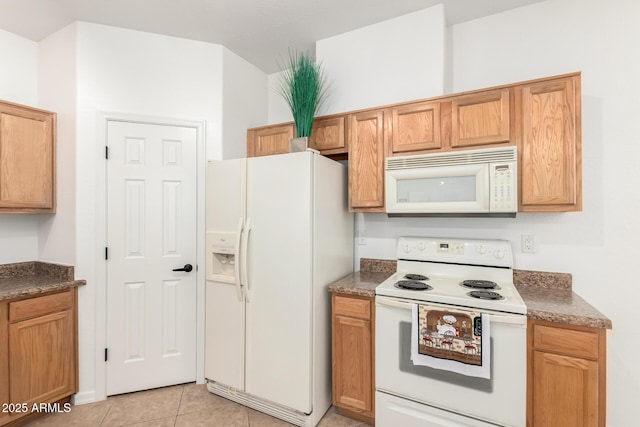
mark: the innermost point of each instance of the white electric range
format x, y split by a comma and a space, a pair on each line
452, 274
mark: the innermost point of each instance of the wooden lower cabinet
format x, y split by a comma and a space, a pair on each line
353, 332
38, 353
566, 384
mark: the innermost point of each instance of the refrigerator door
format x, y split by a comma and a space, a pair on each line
225, 306
279, 257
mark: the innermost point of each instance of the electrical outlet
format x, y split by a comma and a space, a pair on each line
528, 243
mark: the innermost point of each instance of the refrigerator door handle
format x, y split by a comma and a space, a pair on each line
237, 258
245, 259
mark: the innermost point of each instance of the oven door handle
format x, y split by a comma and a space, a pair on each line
509, 319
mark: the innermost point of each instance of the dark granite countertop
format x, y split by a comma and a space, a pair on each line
548, 296
364, 282
32, 278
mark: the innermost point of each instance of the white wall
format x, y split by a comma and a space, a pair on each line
596, 245
143, 74
244, 103
362, 66
19, 70
57, 92
396, 60
18, 83
279, 111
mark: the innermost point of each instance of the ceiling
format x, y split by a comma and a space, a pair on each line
261, 31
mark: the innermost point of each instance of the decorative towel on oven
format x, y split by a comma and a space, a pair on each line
457, 341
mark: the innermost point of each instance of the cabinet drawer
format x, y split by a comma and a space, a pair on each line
567, 341
40, 306
352, 307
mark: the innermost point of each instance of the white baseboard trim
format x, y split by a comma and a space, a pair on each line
84, 397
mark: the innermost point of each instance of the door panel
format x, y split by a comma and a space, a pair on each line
151, 230
224, 343
278, 317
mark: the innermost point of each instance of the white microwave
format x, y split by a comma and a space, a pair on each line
480, 182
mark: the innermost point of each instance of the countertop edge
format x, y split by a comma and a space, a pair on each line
41, 289
570, 319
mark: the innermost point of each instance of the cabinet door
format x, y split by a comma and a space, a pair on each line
480, 119
42, 358
551, 149
415, 127
328, 135
27, 156
565, 391
366, 162
269, 140
353, 382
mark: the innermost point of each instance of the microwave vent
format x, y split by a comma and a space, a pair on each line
452, 158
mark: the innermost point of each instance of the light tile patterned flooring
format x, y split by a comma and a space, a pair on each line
187, 405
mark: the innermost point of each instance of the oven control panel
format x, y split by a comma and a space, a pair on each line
467, 251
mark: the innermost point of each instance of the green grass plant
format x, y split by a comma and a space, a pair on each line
302, 85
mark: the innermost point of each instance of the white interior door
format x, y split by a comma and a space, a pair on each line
151, 230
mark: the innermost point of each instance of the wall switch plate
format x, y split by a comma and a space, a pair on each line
361, 239
528, 243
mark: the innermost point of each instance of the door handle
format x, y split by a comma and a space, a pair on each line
187, 268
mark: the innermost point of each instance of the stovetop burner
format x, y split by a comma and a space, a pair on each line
415, 277
479, 284
488, 295
412, 285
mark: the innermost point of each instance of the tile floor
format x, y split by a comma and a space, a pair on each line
187, 405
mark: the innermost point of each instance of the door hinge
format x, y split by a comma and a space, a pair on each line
106, 253
106, 152
106, 354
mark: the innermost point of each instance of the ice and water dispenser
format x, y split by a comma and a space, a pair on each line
221, 259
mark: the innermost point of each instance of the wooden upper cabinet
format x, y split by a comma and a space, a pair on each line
550, 149
27, 159
366, 161
414, 127
269, 140
480, 119
328, 135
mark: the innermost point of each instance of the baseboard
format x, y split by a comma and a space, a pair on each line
84, 397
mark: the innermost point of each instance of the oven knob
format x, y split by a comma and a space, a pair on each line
481, 249
406, 248
499, 254
422, 246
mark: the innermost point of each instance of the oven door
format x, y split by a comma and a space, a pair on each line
445, 189
500, 400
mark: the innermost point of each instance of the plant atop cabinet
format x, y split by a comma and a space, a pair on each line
302, 86
27, 159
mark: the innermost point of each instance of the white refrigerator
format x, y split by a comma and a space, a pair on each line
278, 232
